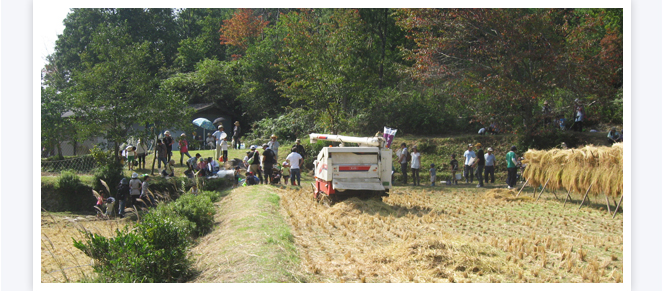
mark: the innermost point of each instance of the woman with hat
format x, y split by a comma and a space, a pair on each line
274, 146
184, 148
237, 131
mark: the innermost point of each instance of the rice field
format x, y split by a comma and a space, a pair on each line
440, 234
60, 260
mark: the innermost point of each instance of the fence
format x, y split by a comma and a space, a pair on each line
81, 165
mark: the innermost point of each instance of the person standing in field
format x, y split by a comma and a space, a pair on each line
511, 167
490, 166
162, 154
218, 135
237, 131
295, 160
134, 187
299, 148
470, 156
274, 146
432, 171
402, 160
131, 157
479, 163
224, 149
168, 141
454, 168
268, 161
415, 164
123, 192
141, 152
254, 164
184, 148
286, 171
546, 111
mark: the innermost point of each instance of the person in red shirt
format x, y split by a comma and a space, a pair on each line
184, 148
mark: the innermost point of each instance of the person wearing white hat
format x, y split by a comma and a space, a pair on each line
490, 166
219, 136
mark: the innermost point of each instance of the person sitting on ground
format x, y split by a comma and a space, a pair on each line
561, 121
210, 141
202, 167
251, 179
110, 205
169, 170
564, 146
212, 166
245, 161
236, 177
613, 136
276, 175
192, 163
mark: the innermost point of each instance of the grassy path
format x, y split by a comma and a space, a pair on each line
252, 243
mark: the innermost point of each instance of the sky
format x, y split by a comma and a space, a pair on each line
47, 25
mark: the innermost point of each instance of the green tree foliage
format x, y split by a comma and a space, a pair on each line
54, 128
117, 88
199, 31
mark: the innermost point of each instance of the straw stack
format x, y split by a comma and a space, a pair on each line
577, 169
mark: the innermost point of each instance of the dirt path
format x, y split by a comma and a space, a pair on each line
251, 242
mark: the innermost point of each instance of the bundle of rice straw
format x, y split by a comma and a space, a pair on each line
577, 169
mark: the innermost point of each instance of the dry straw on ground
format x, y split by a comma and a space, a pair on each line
456, 236
578, 169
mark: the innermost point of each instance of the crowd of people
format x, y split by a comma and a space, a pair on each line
477, 164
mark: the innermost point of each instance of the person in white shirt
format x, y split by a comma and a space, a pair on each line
212, 166
219, 136
209, 141
295, 160
469, 157
490, 166
141, 152
415, 164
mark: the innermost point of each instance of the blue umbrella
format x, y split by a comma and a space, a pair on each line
204, 123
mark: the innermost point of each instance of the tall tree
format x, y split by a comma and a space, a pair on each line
499, 62
54, 128
117, 89
242, 30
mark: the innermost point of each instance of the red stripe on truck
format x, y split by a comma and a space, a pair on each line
354, 168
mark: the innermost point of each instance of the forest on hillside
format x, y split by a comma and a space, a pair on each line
293, 71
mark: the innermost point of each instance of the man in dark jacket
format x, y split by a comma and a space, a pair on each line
168, 141
480, 162
122, 195
268, 160
299, 148
254, 166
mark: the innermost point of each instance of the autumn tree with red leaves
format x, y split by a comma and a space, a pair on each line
242, 30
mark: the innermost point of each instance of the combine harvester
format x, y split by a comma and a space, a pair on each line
364, 170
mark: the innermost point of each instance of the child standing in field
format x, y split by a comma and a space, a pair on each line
184, 148
224, 150
431, 171
131, 157
286, 172
454, 168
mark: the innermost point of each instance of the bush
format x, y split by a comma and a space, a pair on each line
108, 169
214, 196
546, 139
287, 127
156, 252
197, 209
73, 195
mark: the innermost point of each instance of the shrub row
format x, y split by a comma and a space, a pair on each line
155, 250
